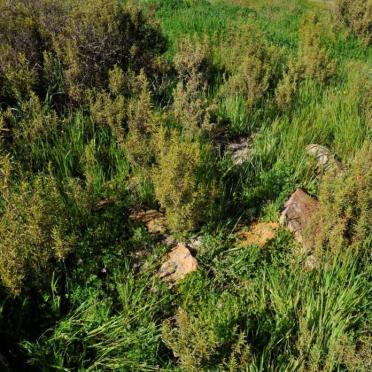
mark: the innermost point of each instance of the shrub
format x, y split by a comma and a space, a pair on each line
26, 32
287, 88
193, 60
209, 339
142, 122
182, 179
312, 62
342, 223
85, 39
313, 58
255, 70
34, 233
191, 108
357, 15
32, 122
108, 110
101, 34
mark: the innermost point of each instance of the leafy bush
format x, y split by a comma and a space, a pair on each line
209, 340
88, 38
313, 62
357, 15
313, 58
34, 233
31, 124
193, 60
27, 29
101, 34
342, 223
183, 179
255, 70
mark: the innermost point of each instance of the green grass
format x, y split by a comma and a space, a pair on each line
246, 308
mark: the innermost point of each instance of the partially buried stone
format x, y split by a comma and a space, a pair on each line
258, 234
297, 213
178, 264
154, 220
324, 157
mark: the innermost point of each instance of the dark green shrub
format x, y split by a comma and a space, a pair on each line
101, 34
27, 29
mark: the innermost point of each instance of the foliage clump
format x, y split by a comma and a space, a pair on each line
80, 40
357, 15
183, 179
193, 60
312, 62
209, 340
255, 66
34, 233
101, 34
343, 221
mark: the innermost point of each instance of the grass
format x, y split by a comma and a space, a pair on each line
246, 308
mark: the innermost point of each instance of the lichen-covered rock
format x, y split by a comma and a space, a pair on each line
179, 262
297, 213
325, 158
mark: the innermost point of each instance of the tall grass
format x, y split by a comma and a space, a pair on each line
246, 308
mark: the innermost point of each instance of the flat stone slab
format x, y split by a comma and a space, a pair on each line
259, 234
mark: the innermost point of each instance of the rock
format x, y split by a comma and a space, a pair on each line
154, 220
239, 150
178, 264
259, 234
324, 157
297, 213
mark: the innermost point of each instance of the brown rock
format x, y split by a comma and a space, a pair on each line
179, 263
297, 213
154, 220
259, 233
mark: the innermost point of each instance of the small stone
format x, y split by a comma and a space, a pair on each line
179, 263
324, 157
259, 234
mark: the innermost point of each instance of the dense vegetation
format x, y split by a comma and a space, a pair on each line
110, 107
